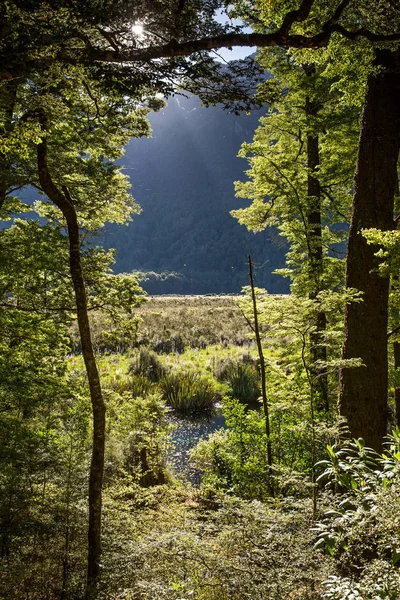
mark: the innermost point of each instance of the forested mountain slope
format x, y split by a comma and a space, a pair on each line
183, 179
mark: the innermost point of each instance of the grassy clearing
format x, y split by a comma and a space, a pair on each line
189, 342
198, 321
169, 324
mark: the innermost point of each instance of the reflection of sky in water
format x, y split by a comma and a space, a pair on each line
186, 435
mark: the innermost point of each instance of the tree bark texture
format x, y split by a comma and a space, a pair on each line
363, 390
8, 98
64, 203
318, 349
396, 356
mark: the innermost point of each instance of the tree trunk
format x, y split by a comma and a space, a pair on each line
396, 355
318, 349
395, 318
8, 98
256, 330
315, 250
363, 390
64, 203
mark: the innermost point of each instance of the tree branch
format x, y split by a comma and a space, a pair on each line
179, 49
296, 16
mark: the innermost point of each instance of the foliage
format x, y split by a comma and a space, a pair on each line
44, 428
235, 459
187, 392
306, 107
140, 385
138, 441
360, 530
288, 322
242, 377
146, 362
177, 545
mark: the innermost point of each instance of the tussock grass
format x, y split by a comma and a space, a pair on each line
141, 386
187, 392
241, 374
146, 362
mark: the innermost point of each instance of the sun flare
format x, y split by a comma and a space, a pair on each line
137, 29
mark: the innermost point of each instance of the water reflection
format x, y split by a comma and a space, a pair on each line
189, 431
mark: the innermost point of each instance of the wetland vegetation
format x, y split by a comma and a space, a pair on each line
191, 507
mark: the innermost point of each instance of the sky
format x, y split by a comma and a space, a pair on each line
238, 51
235, 54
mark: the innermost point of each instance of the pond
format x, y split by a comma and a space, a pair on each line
188, 432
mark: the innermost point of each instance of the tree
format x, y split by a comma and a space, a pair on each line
363, 391
87, 189
301, 166
36, 307
63, 200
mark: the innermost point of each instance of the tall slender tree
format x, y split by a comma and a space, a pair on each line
295, 185
70, 130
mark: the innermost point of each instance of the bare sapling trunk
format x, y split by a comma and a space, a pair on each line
256, 330
62, 200
395, 282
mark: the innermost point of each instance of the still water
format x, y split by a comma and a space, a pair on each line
189, 431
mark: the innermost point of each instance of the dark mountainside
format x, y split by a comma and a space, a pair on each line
183, 179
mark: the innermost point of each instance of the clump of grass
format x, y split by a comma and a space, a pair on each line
146, 362
187, 392
120, 382
244, 381
141, 386
172, 344
241, 375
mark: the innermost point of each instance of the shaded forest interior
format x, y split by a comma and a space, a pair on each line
224, 447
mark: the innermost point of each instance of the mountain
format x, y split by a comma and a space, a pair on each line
183, 179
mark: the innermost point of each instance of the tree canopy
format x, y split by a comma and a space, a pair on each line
77, 80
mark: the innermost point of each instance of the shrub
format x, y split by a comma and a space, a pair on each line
241, 375
141, 386
187, 392
167, 346
235, 459
361, 531
147, 442
146, 362
207, 548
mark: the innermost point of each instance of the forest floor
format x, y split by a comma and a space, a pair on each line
243, 530
183, 542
